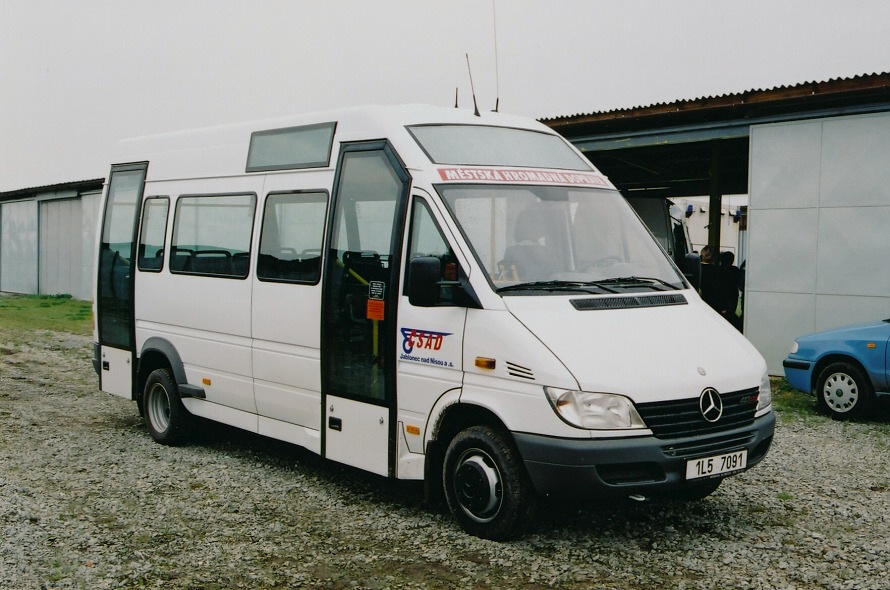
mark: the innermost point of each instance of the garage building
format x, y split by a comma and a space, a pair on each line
47, 237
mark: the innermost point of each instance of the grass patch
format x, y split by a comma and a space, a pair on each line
790, 402
57, 313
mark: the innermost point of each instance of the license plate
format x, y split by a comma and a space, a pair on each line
719, 464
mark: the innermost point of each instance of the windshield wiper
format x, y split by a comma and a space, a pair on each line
611, 285
633, 280
580, 286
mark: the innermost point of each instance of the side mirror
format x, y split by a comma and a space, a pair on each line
692, 269
424, 274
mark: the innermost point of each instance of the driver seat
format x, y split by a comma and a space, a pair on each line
529, 259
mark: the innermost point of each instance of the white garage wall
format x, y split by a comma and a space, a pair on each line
819, 213
89, 224
47, 243
67, 244
59, 245
18, 247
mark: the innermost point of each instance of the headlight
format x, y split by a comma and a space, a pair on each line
794, 347
766, 394
594, 411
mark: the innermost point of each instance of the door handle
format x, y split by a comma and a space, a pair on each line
335, 423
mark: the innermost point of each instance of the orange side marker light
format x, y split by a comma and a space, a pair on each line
485, 363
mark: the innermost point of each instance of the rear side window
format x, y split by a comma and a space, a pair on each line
154, 230
212, 234
292, 237
308, 146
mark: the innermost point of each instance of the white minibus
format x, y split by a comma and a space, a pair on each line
425, 294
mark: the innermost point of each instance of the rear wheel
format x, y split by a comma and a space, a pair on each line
844, 390
486, 485
169, 423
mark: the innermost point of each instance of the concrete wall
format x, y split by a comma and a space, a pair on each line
819, 213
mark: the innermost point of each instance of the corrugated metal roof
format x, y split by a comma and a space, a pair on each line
77, 185
671, 149
851, 85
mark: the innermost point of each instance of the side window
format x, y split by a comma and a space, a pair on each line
427, 239
154, 229
211, 235
292, 237
308, 146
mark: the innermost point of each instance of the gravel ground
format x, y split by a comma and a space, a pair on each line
87, 500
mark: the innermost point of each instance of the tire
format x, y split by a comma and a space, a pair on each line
486, 485
844, 391
169, 423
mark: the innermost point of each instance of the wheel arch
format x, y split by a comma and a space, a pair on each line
158, 353
833, 358
453, 419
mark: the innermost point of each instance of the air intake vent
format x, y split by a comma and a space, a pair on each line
519, 371
629, 301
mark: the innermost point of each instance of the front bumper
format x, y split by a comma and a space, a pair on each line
639, 465
799, 374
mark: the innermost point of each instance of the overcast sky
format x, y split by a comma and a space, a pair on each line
77, 76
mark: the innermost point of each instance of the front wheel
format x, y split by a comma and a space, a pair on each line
167, 419
487, 488
844, 390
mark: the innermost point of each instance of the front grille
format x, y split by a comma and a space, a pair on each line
679, 418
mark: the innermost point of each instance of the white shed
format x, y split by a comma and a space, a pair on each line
47, 237
818, 229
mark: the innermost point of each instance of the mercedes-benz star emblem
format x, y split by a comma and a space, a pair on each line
710, 404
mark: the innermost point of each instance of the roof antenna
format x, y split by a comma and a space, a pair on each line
455, 97
473, 90
497, 77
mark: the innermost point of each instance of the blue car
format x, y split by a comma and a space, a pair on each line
845, 368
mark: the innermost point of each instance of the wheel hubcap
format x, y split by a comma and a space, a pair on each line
840, 392
477, 484
158, 408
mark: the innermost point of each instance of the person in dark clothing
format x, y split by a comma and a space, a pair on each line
709, 286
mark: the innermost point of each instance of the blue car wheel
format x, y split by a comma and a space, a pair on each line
844, 390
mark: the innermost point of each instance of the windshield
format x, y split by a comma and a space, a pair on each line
553, 238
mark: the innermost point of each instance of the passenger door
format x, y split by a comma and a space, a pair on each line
114, 280
359, 307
